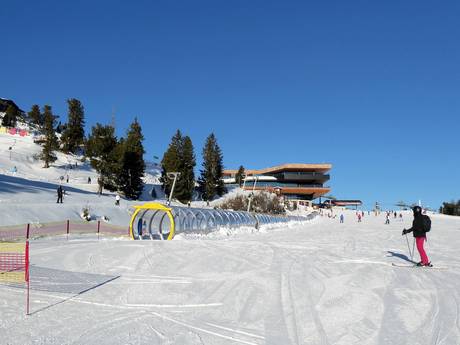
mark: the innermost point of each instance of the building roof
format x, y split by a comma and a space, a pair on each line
323, 167
4, 103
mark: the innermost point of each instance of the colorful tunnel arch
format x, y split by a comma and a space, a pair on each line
150, 211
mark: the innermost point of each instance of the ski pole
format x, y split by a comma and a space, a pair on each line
413, 248
408, 246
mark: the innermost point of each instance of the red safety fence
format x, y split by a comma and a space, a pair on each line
14, 245
14, 263
64, 228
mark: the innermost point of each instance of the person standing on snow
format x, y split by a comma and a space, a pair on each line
60, 194
341, 218
419, 233
387, 221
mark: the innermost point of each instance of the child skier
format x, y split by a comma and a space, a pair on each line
419, 233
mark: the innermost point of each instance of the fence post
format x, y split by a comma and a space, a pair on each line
27, 273
68, 228
98, 228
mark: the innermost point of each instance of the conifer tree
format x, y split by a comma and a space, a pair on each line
186, 182
239, 177
171, 161
179, 157
10, 117
73, 136
132, 165
51, 141
101, 148
210, 181
36, 116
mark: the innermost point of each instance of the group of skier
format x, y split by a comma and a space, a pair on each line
60, 196
421, 224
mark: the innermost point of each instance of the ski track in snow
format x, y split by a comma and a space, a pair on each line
318, 283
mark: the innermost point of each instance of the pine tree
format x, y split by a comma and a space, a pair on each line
132, 165
51, 141
73, 136
36, 116
171, 161
239, 177
186, 182
179, 157
10, 117
210, 181
103, 150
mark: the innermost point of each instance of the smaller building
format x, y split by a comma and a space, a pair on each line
346, 203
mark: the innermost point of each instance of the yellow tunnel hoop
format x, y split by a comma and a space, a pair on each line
152, 206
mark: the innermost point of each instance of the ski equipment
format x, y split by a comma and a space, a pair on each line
421, 267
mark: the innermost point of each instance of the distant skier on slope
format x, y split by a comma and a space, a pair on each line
419, 231
60, 194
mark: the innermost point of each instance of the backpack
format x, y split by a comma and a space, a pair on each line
426, 223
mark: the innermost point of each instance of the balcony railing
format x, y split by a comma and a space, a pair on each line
279, 185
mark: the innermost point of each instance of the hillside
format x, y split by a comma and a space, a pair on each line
28, 191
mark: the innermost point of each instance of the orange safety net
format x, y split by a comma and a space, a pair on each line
14, 262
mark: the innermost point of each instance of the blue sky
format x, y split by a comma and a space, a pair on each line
372, 88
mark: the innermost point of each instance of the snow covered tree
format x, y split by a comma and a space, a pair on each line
239, 177
132, 165
101, 149
51, 141
11, 116
210, 181
74, 134
35, 116
179, 157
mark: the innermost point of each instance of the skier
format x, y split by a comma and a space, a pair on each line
359, 217
387, 221
60, 193
117, 200
419, 233
341, 218
89, 180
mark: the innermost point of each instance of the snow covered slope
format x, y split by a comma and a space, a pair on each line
28, 191
319, 283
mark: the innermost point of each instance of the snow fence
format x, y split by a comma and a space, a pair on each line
67, 228
159, 222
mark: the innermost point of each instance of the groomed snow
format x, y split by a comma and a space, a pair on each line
316, 283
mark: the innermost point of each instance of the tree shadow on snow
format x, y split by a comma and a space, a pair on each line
13, 184
400, 256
